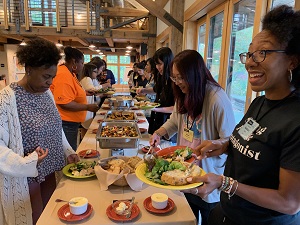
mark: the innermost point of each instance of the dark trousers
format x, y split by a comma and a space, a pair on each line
40, 195
217, 217
198, 205
71, 132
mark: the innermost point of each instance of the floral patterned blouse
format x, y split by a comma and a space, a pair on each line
40, 126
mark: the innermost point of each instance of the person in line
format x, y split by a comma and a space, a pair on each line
133, 75
32, 143
261, 182
97, 61
163, 90
91, 85
202, 111
69, 95
151, 76
141, 81
106, 76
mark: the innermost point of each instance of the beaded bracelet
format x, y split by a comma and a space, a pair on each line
228, 189
233, 193
225, 183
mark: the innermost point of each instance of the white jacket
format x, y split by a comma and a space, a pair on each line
15, 208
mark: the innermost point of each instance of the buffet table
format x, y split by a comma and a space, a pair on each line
101, 200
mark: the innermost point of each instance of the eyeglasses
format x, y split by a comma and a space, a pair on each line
178, 79
258, 56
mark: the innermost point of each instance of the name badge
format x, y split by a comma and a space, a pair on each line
188, 135
248, 128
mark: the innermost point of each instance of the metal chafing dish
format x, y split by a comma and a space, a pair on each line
118, 142
120, 102
120, 115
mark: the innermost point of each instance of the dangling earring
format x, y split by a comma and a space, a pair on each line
74, 68
291, 75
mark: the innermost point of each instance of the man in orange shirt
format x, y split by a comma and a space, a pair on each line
69, 96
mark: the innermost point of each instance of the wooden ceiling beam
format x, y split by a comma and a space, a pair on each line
3, 40
81, 41
73, 33
156, 10
16, 37
111, 43
136, 4
162, 3
123, 12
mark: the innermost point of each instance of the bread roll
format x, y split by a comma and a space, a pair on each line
178, 177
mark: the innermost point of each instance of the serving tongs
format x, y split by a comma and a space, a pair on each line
151, 154
104, 162
149, 157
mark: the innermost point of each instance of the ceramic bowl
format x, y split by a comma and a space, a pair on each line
78, 205
121, 207
159, 200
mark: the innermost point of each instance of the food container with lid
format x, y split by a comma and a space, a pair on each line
118, 135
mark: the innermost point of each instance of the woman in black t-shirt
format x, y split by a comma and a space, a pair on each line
261, 182
163, 89
141, 80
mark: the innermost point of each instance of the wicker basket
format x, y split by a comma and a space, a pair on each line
121, 182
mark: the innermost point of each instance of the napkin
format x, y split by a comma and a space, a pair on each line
133, 182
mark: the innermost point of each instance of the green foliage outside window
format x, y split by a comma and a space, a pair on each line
112, 59
87, 58
124, 59
114, 69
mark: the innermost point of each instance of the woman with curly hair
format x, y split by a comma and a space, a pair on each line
32, 143
69, 95
261, 181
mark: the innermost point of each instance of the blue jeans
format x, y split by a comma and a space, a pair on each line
71, 132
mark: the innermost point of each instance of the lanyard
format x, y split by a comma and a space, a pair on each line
274, 106
187, 123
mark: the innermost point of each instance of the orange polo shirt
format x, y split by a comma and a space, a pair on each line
66, 88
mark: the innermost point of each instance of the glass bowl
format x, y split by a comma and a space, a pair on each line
121, 207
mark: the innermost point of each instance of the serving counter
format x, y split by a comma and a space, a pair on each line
101, 200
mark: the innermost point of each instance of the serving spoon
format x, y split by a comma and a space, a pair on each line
130, 207
61, 200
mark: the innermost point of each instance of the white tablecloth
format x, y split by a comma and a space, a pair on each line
100, 200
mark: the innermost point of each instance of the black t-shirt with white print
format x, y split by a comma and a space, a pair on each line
256, 161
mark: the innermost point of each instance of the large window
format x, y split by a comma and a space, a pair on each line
117, 64
240, 38
215, 44
283, 2
42, 12
201, 39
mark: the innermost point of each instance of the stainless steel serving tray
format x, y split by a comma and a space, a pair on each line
110, 112
120, 101
118, 142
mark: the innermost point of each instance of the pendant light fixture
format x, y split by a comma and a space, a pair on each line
23, 43
129, 46
58, 44
92, 46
